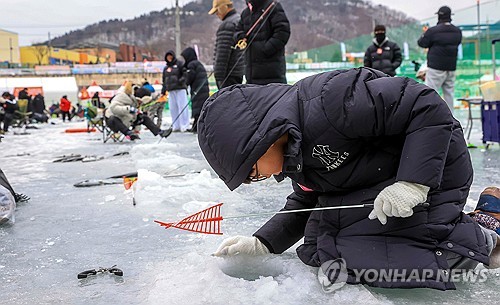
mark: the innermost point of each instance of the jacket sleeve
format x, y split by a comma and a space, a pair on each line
280, 31
401, 107
397, 57
164, 80
283, 230
120, 105
425, 40
225, 42
239, 31
190, 74
182, 72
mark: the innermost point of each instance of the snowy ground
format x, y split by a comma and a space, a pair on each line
64, 230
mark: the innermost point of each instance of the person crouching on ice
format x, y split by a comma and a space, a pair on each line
347, 138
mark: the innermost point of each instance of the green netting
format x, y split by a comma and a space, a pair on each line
470, 71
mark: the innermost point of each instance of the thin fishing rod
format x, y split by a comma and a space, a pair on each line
339, 207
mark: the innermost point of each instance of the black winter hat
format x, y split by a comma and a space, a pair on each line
379, 28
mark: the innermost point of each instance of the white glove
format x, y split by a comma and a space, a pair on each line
398, 200
241, 245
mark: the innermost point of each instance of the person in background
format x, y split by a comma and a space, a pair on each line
8, 107
442, 41
96, 101
196, 79
265, 52
229, 66
65, 107
37, 109
347, 138
123, 113
174, 81
148, 86
154, 108
24, 95
382, 54
54, 110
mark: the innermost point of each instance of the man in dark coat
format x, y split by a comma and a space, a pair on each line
442, 41
265, 52
347, 138
229, 64
196, 79
37, 109
382, 54
24, 95
174, 81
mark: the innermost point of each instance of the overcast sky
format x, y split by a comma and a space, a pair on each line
34, 19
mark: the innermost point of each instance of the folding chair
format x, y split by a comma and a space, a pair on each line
95, 119
22, 116
108, 134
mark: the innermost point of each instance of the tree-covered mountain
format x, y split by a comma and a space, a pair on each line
314, 23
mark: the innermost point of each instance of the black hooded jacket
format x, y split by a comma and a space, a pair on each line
173, 77
265, 54
350, 134
38, 104
442, 41
196, 78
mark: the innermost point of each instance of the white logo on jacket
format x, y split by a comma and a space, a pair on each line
330, 159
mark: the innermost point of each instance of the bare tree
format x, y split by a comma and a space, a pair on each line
40, 52
98, 52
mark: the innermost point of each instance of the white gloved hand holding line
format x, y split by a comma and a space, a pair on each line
241, 245
398, 200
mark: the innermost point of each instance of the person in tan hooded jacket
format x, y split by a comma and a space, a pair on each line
123, 113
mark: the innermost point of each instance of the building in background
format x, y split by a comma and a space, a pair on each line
9, 48
44, 55
107, 51
129, 52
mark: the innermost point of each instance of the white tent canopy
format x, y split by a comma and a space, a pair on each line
53, 87
94, 87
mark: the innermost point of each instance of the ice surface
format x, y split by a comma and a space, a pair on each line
65, 230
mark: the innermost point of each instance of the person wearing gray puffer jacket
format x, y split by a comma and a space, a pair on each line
350, 138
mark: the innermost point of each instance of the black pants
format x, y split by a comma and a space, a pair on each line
64, 114
7, 120
115, 124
